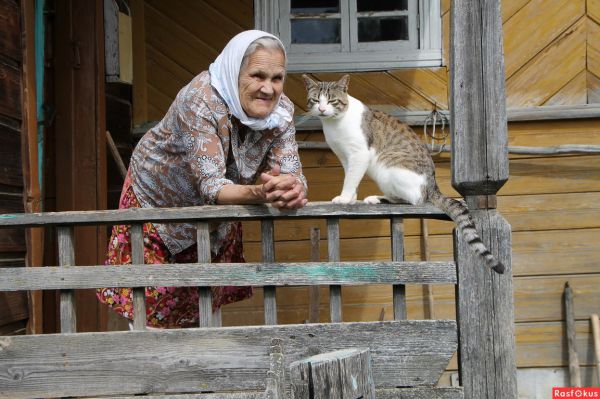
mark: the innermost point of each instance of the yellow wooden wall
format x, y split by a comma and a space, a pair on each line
552, 50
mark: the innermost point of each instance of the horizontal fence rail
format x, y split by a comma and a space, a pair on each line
214, 213
235, 274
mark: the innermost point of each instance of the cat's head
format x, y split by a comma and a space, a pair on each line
327, 99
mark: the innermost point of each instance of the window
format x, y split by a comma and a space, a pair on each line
354, 35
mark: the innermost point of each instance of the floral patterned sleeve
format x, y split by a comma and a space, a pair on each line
284, 152
205, 152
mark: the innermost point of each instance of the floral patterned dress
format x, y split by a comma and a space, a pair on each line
166, 307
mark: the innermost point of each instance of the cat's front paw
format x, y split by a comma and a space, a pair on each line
372, 199
344, 199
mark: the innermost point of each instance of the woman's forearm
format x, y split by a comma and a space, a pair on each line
237, 194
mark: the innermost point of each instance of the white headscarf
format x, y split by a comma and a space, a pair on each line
224, 73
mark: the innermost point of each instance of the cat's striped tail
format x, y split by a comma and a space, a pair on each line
459, 213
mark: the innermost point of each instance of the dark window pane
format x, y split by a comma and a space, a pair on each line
381, 5
315, 6
315, 31
382, 29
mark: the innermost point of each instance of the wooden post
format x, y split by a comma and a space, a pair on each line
275, 386
574, 371
66, 257
313, 291
596, 333
399, 290
268, 256
343, 374
204, 293
139, 293
333, 250
485, 309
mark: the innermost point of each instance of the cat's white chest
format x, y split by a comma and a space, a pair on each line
344, 135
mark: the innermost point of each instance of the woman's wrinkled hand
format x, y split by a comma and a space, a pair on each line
283, 191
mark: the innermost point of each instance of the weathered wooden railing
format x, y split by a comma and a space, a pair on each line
410, 354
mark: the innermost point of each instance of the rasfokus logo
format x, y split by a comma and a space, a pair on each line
570, 393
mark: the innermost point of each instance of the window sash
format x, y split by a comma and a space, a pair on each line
423, 49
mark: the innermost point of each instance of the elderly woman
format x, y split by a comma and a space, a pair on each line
228, 127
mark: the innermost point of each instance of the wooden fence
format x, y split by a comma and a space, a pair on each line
408, 356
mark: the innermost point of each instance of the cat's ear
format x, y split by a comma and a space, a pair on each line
343, 82
308, 82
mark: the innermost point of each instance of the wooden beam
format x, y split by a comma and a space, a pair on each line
29, 155
220, 213
485, 310
574, 372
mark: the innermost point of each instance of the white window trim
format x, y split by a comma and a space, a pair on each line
303, 58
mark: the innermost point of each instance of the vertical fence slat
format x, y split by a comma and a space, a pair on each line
333, 250
139, 293
66, 257
313, 290
204, 293
268, 255
399, 290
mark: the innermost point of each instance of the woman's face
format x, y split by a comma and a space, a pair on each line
261, 82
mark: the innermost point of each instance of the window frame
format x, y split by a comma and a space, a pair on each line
349, 56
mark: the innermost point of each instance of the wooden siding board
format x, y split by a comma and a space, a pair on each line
176, 43
425, 82
10, 86
565, 57
534, 253
593, 83
10, 157
573, 93
14, 307
593, 10
10, 28
534, 27
511, 7
593, 60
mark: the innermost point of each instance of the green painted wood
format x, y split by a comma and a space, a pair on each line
237, 274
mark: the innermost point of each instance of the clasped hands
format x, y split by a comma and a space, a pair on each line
283, 191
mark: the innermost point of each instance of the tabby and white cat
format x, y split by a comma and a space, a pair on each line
390, 152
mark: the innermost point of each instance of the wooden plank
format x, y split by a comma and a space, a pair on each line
567, 56
10, 29
219, 213
14, 307
534, 27
596, 334
10, 85
534, 252
139, 88
399, 297
593, 10
404, 353
139, 293
333, 250
572, 93
66, 257
538, 212
574, 373
593, 88
268, 256
235, 274
10, 155
340, 374
314, 292
204, 256
383, 393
